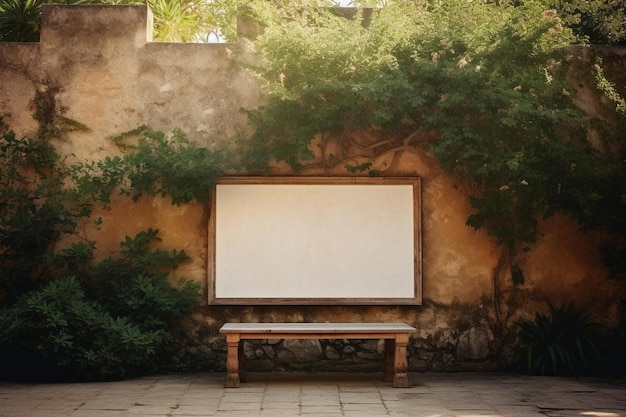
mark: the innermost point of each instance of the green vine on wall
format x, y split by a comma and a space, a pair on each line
607, 87
157, 164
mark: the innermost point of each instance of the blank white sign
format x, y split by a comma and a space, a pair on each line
288, 240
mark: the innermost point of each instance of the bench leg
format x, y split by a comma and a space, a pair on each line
242, 362
232, 360
390, 348
400, 365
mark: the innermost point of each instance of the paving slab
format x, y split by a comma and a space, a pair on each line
284, 394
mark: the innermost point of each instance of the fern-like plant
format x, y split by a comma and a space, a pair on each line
566, 342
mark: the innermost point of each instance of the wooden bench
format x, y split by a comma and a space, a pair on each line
396, 336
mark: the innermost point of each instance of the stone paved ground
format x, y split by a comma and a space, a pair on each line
321, 395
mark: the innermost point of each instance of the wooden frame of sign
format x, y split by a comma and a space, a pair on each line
315, 240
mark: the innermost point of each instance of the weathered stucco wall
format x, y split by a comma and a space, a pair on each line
96, 65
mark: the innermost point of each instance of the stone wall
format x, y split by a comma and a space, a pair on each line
97, 66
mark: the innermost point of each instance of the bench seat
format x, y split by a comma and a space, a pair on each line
396, 336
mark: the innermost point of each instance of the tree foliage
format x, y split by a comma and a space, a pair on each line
595, 21
484, 85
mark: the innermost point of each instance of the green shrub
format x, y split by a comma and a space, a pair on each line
74, 337
597, 21
137, 284
566, 342
62, 316
116, 320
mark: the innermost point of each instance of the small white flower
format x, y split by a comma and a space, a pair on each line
504, 188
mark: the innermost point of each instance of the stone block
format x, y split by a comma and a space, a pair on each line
473, 345
307, 350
